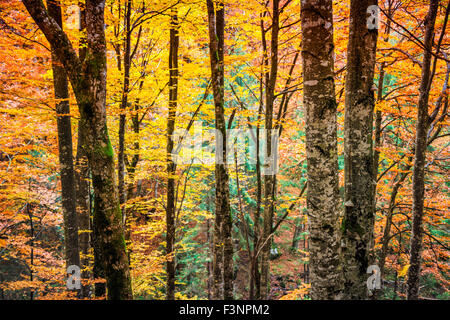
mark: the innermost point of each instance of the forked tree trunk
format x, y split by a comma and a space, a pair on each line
88, 78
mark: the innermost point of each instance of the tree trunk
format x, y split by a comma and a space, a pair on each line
387, 227
223, 244
420, 157
84, 213
83, 192
31, 268
88, 80
358, 221
296, 237
209, 264
321, 146
65, 148
171, 168
123, 106
269, 177
255, 279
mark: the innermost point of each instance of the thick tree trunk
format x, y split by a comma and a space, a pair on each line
88, 80
358, 221
65, 148
321, 146
419, 157
223, 245
171, 168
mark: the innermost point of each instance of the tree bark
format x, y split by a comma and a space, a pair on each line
84, 213
88, 80
379, 115
171, 168
123, 106
298, 229
83, 192
387, 227
418, 178
269, 177
223, 244
358, 221
65, 148
319, 101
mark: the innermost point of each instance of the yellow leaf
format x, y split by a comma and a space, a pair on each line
403, 271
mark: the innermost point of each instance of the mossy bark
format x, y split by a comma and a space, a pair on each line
88, 79
357, 234
320, 105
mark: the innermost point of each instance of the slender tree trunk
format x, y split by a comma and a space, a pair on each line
255, 290
379, 115
83, 191
65, 148
84, 214
395, 285
387, 227
171, 168
418, 178
88, 78
123, 106
209, 264
295, 238
30, 216
319, 101
223, 244
269, 177
358, 221
131, 167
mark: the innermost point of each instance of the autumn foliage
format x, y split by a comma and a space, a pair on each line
32, 261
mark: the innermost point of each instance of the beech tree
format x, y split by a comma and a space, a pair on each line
65, 147
310, 230
319, 102
358, 220
223, 245
83, 191
88, 79
269, 177
171, 167
422, 125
